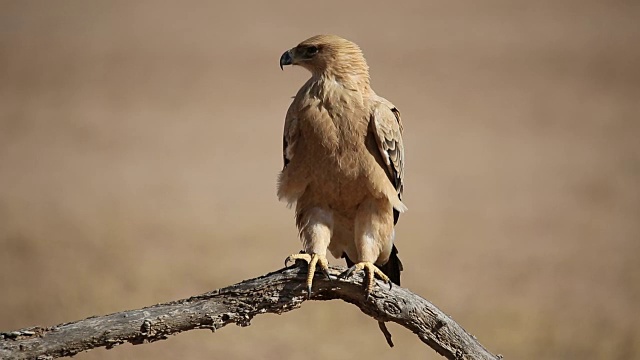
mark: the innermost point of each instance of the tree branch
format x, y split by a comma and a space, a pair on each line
277, 292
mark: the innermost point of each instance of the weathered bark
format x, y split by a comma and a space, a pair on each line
277, 292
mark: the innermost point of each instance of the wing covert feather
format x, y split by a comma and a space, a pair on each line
289, 137
387, 126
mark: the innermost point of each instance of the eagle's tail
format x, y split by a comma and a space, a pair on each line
392, 269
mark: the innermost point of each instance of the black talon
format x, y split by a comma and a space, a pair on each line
326, 273
309, 292
348, 272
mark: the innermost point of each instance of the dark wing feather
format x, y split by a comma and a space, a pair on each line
387, 126
289, 136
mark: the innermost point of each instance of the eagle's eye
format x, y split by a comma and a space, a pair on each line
312, 50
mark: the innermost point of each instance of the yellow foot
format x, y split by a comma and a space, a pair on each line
312, 260
370, 271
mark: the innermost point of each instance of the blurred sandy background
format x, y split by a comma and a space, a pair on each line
140, 142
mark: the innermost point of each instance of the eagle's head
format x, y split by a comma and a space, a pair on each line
327, 55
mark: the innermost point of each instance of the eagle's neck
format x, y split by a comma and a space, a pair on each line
329, 81
334, 91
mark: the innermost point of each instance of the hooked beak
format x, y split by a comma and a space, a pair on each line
286, 59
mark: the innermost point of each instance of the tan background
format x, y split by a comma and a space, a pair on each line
140, 142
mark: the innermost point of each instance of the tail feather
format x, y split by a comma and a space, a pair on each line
393, 267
